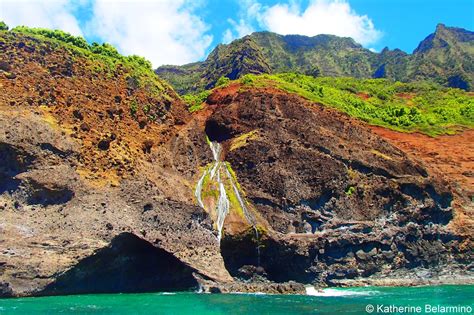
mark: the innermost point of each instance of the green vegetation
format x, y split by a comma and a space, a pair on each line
133, 108
185, 79
243, 139
234, 204
419, 106
222, 81
234, 177
210, 189
226, 61
54, 34
350, 191
195, 101
146, 108
3, 26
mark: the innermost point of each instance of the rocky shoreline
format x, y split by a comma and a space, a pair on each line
409, 278
399, 278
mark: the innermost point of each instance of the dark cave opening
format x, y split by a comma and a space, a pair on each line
128, 265
217, 132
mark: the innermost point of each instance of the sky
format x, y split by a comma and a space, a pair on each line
183, 31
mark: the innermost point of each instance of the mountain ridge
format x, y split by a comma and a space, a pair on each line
445, 56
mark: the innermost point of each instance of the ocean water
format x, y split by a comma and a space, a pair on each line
459, 299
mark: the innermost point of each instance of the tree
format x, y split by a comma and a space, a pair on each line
314, 71
3, 26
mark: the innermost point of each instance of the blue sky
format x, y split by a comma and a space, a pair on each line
181, 31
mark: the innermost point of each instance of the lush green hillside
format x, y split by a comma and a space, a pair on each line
445, 57
411, 107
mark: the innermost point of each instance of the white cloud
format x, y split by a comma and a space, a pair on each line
54, 14
164, 31
248, 17
237, 30
170, 32
334, 17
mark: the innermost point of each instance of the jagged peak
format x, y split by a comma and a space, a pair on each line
395, 52
271, 52
443, 37
440, 26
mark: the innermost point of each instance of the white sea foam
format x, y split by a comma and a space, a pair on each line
337, 292
251, 293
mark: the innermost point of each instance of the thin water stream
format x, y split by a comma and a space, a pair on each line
219, 172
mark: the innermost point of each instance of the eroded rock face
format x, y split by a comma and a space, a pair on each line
332, 200
341, 202
64, 198
56, 224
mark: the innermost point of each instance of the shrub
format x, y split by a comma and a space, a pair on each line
194, 101
350, 191
222, 81
105, 50
55, 34
146, 108
246, 79
133, 108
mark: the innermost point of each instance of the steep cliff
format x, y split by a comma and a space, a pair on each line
101, 164
90, 149
338, 201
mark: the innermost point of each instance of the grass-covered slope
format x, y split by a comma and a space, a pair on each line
410, 107
419, 106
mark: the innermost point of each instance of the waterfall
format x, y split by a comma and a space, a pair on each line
222, 209
216, 171
247, 215
198, 190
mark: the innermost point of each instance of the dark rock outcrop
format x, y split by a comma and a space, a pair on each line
335, 210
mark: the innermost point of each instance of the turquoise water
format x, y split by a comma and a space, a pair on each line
330, 301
